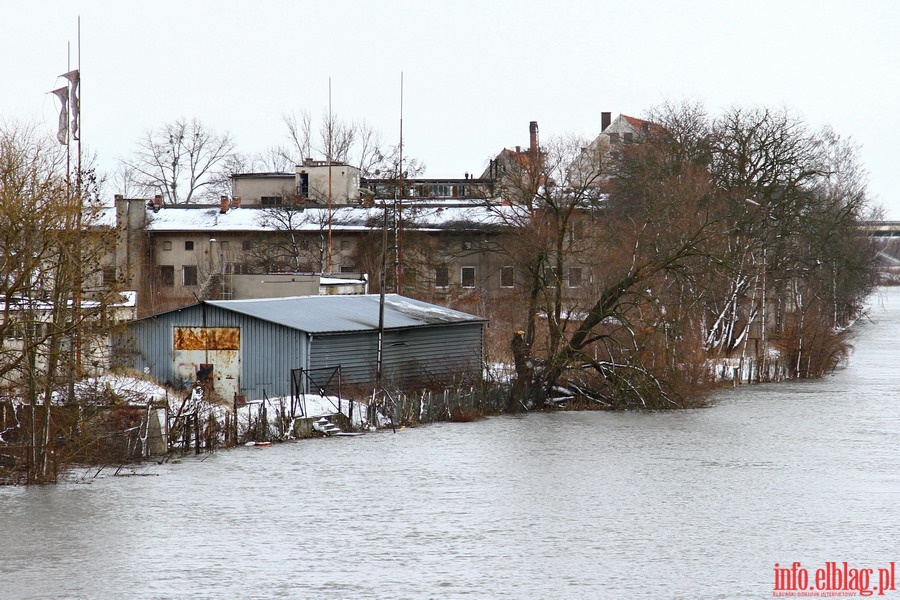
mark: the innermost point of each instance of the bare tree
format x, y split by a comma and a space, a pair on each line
181, 161
54, 300
356, 143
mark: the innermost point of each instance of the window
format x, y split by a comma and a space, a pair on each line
345, 245
507, 277
467, 245
270, 200
109, 276
247, 245
189, 274
303, 184
166, 275
189, 245
167, 245
574, 277
442, 277
349, 269
613, 138
467, 277
441, 190
550, 275
629, 137
237, 268
410, 276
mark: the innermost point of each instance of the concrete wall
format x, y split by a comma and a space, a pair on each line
251, 189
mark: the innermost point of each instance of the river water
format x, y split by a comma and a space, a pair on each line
689, 504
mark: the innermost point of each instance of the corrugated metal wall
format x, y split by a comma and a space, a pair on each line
268, 351
410, 355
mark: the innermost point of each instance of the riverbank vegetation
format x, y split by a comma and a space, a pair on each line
708, 238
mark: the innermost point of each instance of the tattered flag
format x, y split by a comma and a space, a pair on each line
62, 133
74, 78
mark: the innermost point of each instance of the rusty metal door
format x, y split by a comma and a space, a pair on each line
201, 349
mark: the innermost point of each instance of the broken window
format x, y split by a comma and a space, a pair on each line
467, 277
442, 277
189, 274
507, 277
166, 275
574, 277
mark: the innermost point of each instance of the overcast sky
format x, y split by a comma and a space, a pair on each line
475, 73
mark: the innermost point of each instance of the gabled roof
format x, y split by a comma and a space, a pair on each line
640, 125
337, 314
521, 158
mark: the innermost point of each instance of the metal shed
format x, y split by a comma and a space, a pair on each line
251, 346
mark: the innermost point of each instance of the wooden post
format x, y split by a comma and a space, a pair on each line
196, 433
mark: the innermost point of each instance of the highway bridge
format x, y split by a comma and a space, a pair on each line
882, 228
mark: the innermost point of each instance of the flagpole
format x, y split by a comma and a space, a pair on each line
79, 205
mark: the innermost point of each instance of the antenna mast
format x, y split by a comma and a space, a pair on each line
330, 152
399, 209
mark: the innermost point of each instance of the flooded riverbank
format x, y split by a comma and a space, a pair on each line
687, 504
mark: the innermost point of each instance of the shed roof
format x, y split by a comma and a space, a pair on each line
335, 314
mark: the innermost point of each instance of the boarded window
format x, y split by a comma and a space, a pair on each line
467, 277
167, 245
189, 273
507, 277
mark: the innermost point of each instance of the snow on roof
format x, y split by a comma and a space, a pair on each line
331, 314
345, 218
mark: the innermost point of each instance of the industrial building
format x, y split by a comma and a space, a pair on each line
249, 348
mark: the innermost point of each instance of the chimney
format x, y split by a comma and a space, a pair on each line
533, 133
223, 204
236, 202
157, 202
605, 120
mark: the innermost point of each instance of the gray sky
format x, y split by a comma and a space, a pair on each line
475, 73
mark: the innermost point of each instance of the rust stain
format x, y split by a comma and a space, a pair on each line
209, 338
